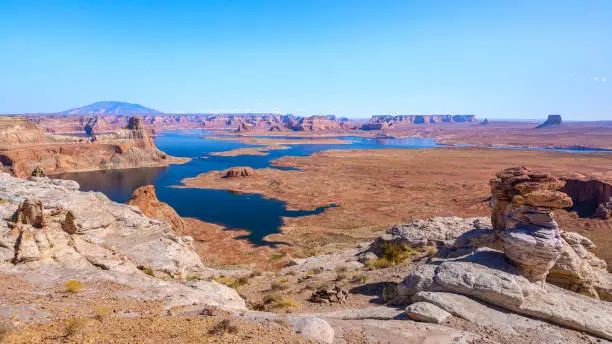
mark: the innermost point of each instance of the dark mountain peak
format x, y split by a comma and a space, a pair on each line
111, 108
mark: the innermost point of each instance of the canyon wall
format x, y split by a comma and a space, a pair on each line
25, 146
102, 124
386, 121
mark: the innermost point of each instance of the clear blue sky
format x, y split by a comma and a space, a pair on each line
493, 58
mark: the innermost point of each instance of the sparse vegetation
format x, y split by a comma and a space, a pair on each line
276, 256
101, 313
361, 278
75, 326
5, 330
193, 278
283, 280
73, 286
277, 286
341, 273
231, 282
287, 302
147, 270
315, 271
255, 274
391, 255
222, 327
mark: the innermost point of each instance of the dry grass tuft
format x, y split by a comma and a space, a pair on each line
222, 327
73, 286
75, 326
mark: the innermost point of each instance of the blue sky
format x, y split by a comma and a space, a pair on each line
494, 58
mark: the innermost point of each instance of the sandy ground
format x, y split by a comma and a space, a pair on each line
374, 189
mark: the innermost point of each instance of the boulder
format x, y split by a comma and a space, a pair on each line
416, 281
437, 231
427, 312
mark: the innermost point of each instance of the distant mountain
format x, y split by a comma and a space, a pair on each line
111, 108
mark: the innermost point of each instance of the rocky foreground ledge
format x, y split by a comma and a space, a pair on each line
467, 286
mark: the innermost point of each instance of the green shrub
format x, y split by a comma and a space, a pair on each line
391, 255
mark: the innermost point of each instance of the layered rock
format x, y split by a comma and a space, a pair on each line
27, 149
51, 232
522, 204
146, 200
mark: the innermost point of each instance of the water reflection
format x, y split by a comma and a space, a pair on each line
257, 215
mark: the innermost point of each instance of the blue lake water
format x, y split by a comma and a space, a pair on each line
251, 212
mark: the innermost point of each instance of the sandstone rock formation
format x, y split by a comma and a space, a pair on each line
382, 122
245, 127
522, 202
238, 172
551, 121
24, 146
604, 210
146, 200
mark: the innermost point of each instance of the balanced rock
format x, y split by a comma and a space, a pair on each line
522, 203
239, 172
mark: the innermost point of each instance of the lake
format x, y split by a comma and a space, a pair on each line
251, 212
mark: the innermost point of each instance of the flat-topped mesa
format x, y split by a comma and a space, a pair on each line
385, 121
551, 121
522, 201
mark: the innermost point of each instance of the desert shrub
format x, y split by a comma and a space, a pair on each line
101, 313
277, 286
255, 274
315, 271
287, 302
361, 278
222, 327
341, 273
283, 280
73, 286
271, 298
147, 270
391, 255
193, 278
276, 256
75, 326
